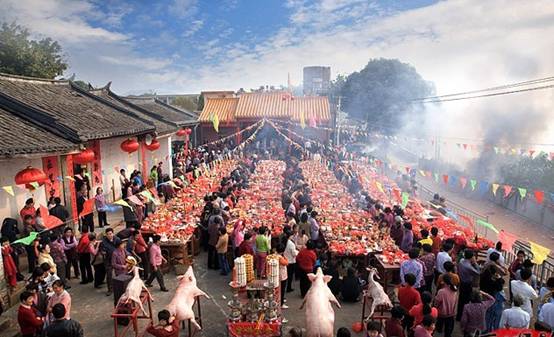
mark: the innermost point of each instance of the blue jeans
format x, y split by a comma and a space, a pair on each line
223, 263
495, 312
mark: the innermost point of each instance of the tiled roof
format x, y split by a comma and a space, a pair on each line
166, 111
316, 107
60, 106
224, 108
19, 136
162, 126
267, 105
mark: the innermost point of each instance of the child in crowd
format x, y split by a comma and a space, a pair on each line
167, 326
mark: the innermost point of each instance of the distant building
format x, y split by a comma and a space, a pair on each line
317, 80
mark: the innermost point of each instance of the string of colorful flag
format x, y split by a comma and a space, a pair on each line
475, 184
540, 253
287, 139
251, 138
468, 146
221, 140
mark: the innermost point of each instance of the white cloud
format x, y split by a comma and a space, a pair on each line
183, 8
136, 62
194, 26
63, 20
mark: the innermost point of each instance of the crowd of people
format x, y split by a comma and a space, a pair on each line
442, 281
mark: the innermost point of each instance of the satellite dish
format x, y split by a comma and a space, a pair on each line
148, 139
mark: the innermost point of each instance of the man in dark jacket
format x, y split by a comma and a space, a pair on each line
109, 245
63, 327
59, 210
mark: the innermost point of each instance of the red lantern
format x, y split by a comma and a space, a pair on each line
188, 131
84, 157
130, 145
30, 175
153, 146
181, 132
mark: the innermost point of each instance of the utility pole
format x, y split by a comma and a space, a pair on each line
337, 121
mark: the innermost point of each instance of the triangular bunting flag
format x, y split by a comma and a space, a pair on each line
507, 240
531, 152
88, 208
507, 190
436, 177
405, 198
70, 178
522, 192
463, 182
379, 186
540, 253
122, 202
496, 150
422, 173
487, 225
539, 196
9, 190
28, 239
445, 178
473, 183
49, 221
35, 185
465, 146
407, 168
135, 200
483, 186
494, 188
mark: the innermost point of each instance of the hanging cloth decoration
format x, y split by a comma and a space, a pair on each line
507, 190
495, 188
215, 122
539, 196
507, 239
522, 192
463, 182
473, 183
405, 199
28, 239
487, 225
540, 253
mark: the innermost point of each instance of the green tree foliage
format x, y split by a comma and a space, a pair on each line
532, 173
185, 103
201, 102
19, 55
381, 93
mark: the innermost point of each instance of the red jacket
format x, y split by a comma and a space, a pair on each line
408, 297
246, 248
306, 260
161, 332
28, 320
140, 245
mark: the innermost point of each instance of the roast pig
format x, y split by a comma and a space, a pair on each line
375, 294
182, 302
134, 289
320, 317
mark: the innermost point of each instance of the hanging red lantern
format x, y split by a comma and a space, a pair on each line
130, 145
181, 132
84, 157
30, 175
153, 146
188, 131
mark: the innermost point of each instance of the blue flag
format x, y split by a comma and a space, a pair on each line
483, 186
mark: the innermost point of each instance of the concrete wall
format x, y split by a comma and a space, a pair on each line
10, 206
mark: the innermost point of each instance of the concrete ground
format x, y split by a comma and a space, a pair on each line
92, 308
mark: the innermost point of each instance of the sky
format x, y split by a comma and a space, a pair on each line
185, 46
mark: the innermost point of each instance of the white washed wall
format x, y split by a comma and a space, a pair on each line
10, 206
111, 156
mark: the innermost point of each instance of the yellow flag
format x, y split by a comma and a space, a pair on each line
379, 186
35, 185
302, 120
422, 173
122, 202
494, 188
9, 190
215, 122
540, 253
70, 178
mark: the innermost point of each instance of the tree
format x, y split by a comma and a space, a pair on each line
381, 93
19, 55
185, 103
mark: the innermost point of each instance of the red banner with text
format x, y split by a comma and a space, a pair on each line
253, 329
52, 170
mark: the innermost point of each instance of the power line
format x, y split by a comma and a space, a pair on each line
488, 95
505, 86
